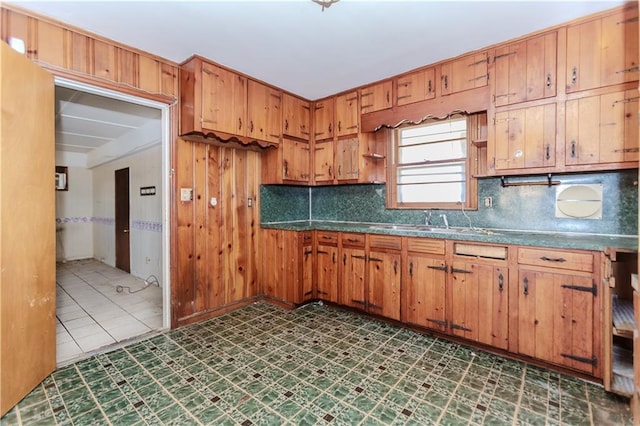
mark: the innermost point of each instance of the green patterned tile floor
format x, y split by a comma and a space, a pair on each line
261, 365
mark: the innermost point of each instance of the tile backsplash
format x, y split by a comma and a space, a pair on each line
516, 207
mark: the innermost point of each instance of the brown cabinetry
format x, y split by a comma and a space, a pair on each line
296, 117
352, 274
558, 308
223, 97
384, 276
424, 284
347, 159
468, 72
602, 129
523, 138
323, 116
347, 114
327, 266
480, 294
323, 162
376, 97
526, 70
416, 86
603, 51
289, 164
264, 112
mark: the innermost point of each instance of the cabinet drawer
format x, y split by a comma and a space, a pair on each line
325, 237
385, 242
577, 261
425, 245
355, 240
305, 237
479, 251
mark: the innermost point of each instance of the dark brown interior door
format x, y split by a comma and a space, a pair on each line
122, 220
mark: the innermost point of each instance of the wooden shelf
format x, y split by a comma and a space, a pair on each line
622, 383
480, 143
624, 323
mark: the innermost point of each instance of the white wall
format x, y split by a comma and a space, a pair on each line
74, 227
145, 169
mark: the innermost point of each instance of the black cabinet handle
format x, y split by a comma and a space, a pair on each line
526, 286
500, 283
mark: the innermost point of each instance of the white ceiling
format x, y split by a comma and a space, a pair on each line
296, 46
102, 128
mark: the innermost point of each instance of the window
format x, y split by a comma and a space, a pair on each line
430, 166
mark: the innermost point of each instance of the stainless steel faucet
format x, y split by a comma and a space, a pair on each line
444, 219
427, 217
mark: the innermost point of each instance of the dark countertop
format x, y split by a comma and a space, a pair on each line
500, 236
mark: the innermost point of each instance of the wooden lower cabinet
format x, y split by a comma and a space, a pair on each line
555, 319
480, 303
327, 275
326, 257
559, 308
383, 294
308, 287
352, 274
285, 275
424, 288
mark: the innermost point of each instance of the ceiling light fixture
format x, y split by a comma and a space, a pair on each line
325, 3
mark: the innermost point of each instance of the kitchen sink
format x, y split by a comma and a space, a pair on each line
432, 229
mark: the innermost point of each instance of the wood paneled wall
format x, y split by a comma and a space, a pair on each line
75, 54
217, 247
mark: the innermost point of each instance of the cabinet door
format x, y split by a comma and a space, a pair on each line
347, 159
525, 138
555, 318
296, 115
323, 119
272, 266
376, 97
347, 114
323, 162
424, 292
104, 60
327, 273
479, 303
526, 71
50, 43
416, 86
603, 52
465, 73
384, 284
149, 74
307, 273
224, 99
295, 160
352, 270
602, 129
264, 112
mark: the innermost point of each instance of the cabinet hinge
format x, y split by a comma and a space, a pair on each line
460, 271
359, 302
455, 326
308, 293
593, 360
439, 322
439, 268
593, 289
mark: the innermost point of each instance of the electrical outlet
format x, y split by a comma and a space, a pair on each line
186, 194
249, 202
488, 202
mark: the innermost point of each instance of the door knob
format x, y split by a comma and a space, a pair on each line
125, 230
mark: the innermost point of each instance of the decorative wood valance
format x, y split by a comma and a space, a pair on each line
228, 140
469, 102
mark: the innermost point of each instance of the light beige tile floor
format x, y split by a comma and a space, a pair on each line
92, 314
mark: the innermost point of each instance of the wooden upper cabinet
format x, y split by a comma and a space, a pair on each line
416, 86
223, 98
524, 138
465, 73
602, 129
323, 162
526, 71
347, 154
296, 117
376, 97
603, 52
264, 112
150, 72
295, 161
323, 116
347, 114
127, 67
50, 44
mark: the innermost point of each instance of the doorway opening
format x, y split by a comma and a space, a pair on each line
112, 220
